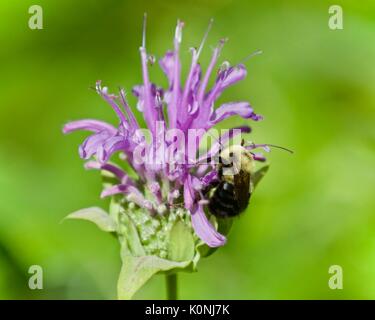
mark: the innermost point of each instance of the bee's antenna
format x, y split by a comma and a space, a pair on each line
253, 146
279, 147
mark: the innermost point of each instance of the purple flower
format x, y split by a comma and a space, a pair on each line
183, 106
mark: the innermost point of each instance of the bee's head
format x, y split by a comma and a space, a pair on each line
235, 158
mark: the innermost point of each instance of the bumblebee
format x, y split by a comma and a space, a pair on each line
230, 195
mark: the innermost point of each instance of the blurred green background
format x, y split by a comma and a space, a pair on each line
314, 86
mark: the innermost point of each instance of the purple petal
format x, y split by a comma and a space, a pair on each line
172, 195
167, 65
175, 90
193, 90
90, 125
259, 157
232, 75
117, 171
156, 95
189, 197
90, 146
206, 107
252, 146
207, 75
170, 65
113, 190
132, 119
110, 98
189, 89
226, 110
190, 93
225, 78
156, 191
150, 113
196, 183
138, 92
136, 196
202, 169
133, 193
231, 133
205, 230
209, 178
110, 146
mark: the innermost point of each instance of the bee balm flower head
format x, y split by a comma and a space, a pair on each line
169, 184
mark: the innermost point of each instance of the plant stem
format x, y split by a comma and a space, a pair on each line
171, 283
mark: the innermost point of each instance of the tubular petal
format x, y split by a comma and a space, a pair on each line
89, 125
205, 230
226, 110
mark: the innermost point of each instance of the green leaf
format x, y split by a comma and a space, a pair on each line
97, 216
181, 242
130, 234
114, 209
258, 175
136, 271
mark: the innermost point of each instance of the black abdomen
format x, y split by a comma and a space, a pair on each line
223, 203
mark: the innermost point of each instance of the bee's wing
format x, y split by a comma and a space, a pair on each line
257, 176
242, 189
